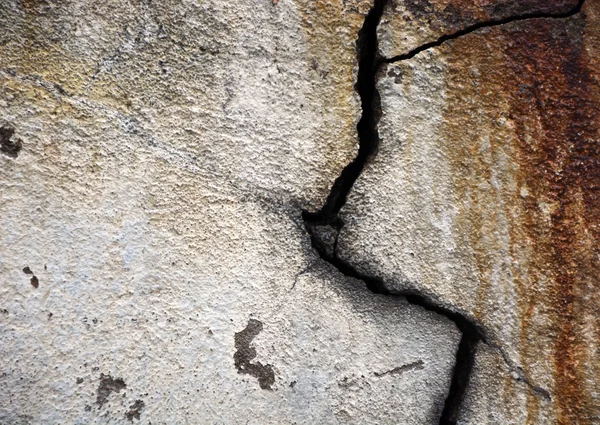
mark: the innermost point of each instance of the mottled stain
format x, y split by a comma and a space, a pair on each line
135, 410
108, 385
245, 353
522, 127
9, 145
561, 164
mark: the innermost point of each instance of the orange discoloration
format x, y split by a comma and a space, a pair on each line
415, 22
331, 29
453, 15
522, 126
560, 160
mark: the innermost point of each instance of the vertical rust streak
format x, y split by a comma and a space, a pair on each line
540, 79
560, 160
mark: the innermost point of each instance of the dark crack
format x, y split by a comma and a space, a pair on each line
324, 225
418, 365
520, 375
369, 61
485, 24
368, 64
471, 332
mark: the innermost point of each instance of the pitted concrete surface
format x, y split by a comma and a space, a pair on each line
156, 158
168, 149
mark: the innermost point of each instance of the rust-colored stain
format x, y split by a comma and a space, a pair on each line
531, 195
562, 165
415, 22
330, 28
453, 15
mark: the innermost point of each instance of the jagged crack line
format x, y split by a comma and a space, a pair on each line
369, 62
521, 375
471, 332
487, 24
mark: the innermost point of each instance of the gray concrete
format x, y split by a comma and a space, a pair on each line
168, 149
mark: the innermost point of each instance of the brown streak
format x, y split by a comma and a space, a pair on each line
560, 161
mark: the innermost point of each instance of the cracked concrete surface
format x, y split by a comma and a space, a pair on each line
166, 151
482, 199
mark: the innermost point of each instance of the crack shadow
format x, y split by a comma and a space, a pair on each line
324, 226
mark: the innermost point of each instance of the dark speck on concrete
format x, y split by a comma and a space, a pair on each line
108, 385
244, 353
9, 146
134, 410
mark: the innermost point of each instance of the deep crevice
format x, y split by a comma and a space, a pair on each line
369, 62
471, 332
368, 137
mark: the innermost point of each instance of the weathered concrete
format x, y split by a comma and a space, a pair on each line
155, 159
154, 265
483, 197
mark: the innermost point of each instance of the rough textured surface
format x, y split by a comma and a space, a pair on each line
159, 164
484, 197
168, 148
409, 24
